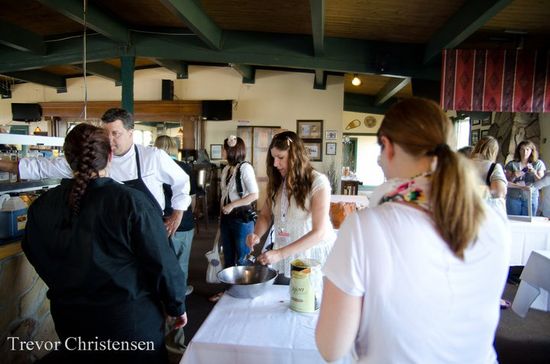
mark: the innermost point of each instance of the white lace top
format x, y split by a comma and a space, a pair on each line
298, 223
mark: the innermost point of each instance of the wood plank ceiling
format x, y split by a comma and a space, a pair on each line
392, 45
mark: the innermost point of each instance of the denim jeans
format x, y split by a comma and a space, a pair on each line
182, 247
233, 232
519, 205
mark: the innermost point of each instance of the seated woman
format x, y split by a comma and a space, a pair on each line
102, 250
417, 279
298, 201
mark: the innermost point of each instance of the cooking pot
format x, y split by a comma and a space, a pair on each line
248, 281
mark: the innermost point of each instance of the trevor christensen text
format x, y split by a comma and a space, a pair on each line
79, 344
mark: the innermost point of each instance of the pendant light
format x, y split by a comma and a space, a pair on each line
356, 81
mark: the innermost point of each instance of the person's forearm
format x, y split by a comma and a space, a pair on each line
262, 224
246, 200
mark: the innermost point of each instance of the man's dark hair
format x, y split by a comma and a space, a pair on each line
115, 114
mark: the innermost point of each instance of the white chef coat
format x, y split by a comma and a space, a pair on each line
156, 168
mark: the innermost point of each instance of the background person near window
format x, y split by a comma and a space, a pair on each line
522, 172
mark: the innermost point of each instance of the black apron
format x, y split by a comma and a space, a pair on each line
139, 185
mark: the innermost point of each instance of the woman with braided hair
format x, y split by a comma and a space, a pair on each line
417, 278
101, 249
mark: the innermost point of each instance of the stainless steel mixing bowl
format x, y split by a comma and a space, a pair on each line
247, 281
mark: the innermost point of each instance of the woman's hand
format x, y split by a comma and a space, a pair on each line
227, 208
270, 257
251, 240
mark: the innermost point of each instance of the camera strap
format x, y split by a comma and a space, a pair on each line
238, 181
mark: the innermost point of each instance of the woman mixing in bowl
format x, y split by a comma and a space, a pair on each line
298, 202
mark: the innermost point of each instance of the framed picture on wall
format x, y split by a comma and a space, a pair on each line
309, 129
331, 135
476, 121
474, 137
216, 151
486, 122
314, 150
330, 149
484, 133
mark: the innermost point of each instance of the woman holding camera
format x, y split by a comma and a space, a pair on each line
238, 191
522, 172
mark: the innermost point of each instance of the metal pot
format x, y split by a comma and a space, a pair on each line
248, 281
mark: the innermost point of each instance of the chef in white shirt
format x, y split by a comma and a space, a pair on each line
140, 167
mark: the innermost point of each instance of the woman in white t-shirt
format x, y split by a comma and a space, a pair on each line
239, 190
417, 279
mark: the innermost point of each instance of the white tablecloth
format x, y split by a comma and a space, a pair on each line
262, 330
528, 236
535, 284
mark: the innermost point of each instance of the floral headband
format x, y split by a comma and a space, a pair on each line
232, 141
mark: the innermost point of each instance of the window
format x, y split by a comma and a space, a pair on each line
462, 132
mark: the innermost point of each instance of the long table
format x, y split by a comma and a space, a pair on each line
528, 236
251, 331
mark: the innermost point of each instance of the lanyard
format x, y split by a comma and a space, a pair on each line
284, 205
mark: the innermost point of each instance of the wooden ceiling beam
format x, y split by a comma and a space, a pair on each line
196, 19
248, 72
180, 68
21, 39
104, 70
258, 49
318, 26
467, 20
95, 18
60, 53
320, 80
40, 78
392, 87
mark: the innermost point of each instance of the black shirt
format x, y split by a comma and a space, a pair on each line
115, 251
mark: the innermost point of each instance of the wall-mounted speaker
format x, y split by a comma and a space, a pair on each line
167, 90
26, 112
217, 109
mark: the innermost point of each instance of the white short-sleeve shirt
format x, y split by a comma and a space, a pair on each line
421, 304
248, 182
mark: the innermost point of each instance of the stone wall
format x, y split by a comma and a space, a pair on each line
24, 310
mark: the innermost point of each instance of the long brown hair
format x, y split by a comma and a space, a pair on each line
299, 178
421, 128
533, 157
87, 150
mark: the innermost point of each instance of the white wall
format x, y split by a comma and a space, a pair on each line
275, 99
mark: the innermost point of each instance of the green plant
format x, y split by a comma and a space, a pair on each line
330, 172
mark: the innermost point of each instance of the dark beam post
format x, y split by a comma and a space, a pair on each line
127, 75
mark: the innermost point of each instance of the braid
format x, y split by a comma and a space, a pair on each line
87, 151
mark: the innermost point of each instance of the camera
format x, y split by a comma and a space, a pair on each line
250, 215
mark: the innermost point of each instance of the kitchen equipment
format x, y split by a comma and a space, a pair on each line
252, 258
13, 216
247, 281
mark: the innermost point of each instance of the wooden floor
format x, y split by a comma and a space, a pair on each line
518, 341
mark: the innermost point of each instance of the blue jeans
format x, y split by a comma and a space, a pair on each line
518, 205
233, 232
182, 247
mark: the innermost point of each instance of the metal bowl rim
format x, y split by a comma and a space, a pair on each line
270, 270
